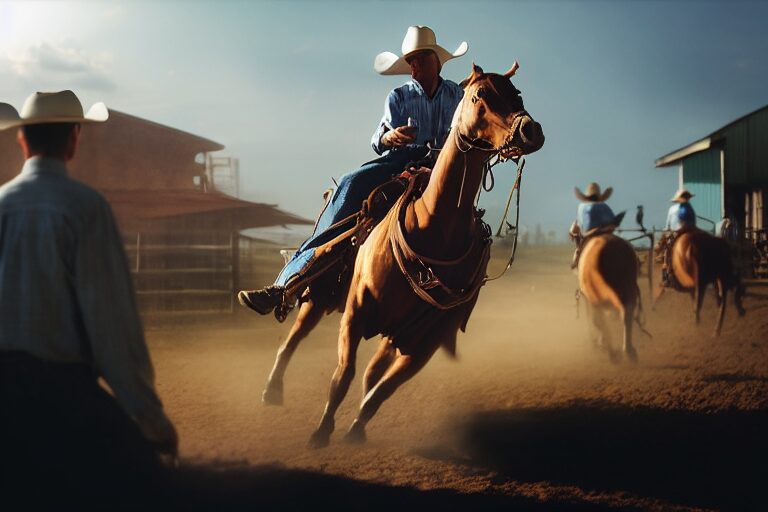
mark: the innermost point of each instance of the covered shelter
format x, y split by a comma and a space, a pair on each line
728, 171
182, 234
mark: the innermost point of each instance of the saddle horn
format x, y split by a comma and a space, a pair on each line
512, 70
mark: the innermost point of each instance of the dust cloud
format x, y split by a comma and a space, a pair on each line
529, 416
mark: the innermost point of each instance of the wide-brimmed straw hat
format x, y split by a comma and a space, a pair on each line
681, 196
51, 107
417, 38
592, 193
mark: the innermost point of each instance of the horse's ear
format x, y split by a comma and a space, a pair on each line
512, 70
477, 71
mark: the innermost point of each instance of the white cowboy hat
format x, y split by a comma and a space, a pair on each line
681, 196
417, 38
592, 193
51, 107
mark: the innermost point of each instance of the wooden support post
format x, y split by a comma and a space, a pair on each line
234, 243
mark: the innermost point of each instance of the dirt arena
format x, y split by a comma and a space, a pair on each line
528, 417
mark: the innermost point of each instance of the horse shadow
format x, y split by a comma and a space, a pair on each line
698, 459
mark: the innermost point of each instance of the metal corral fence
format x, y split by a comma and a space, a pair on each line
197, 272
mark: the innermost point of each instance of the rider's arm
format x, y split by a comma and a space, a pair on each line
670, 217
393, 117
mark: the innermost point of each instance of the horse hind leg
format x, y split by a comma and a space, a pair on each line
698, 300
738, 295
722, 294
403, 368
307, 319
628, 317
379, 364
350, 334
603, 340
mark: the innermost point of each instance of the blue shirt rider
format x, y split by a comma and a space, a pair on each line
591, 214
416, 114
681, 216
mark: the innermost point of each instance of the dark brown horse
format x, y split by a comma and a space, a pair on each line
608, 270
437, 232
699, 259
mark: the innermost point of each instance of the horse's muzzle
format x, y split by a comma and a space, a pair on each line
528, 137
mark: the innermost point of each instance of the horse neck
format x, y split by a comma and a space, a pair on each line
447, 203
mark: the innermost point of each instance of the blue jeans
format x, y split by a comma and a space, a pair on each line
353, 189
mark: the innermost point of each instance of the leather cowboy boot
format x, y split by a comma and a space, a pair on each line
262, 301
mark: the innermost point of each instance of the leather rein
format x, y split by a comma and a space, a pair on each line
426, 279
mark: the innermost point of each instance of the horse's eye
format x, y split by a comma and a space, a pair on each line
479, 93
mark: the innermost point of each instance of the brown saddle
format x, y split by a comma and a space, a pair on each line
325, 278
581, 240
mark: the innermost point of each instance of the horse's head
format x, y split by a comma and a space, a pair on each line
492, 116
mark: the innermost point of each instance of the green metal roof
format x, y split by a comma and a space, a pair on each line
705, 143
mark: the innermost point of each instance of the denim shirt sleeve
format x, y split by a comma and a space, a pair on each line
110, 317
393, 117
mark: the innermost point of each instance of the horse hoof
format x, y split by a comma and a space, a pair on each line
319, 440
614, 357
632, 356
355, 435
272, 396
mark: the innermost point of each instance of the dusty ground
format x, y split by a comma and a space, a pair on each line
530, 415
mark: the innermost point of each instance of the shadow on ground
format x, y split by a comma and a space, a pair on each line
278, 488
716, 460
228, 487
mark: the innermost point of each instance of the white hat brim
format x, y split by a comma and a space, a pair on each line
10, 118
387, 63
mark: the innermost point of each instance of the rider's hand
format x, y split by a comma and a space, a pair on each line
400, 136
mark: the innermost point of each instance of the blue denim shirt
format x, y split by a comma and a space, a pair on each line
433, 115
66, 294
680, 215
594, 215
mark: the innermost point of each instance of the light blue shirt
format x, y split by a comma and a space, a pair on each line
679, 216
433, 115
66, 294
594, 215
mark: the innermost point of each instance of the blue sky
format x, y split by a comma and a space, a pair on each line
289, 87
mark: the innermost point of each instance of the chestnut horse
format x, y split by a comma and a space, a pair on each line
699, 259
383, 298
608, 270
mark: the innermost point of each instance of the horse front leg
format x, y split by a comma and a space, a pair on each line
379, 364
307, 319
349, 339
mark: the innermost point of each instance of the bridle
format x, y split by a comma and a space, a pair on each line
465, 144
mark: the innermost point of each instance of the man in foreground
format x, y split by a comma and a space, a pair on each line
67, 318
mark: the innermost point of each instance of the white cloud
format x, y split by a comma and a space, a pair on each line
113, 12
46, 64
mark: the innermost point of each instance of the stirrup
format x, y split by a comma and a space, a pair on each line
282, 310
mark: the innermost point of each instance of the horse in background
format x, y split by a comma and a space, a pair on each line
697, 260
608, 269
